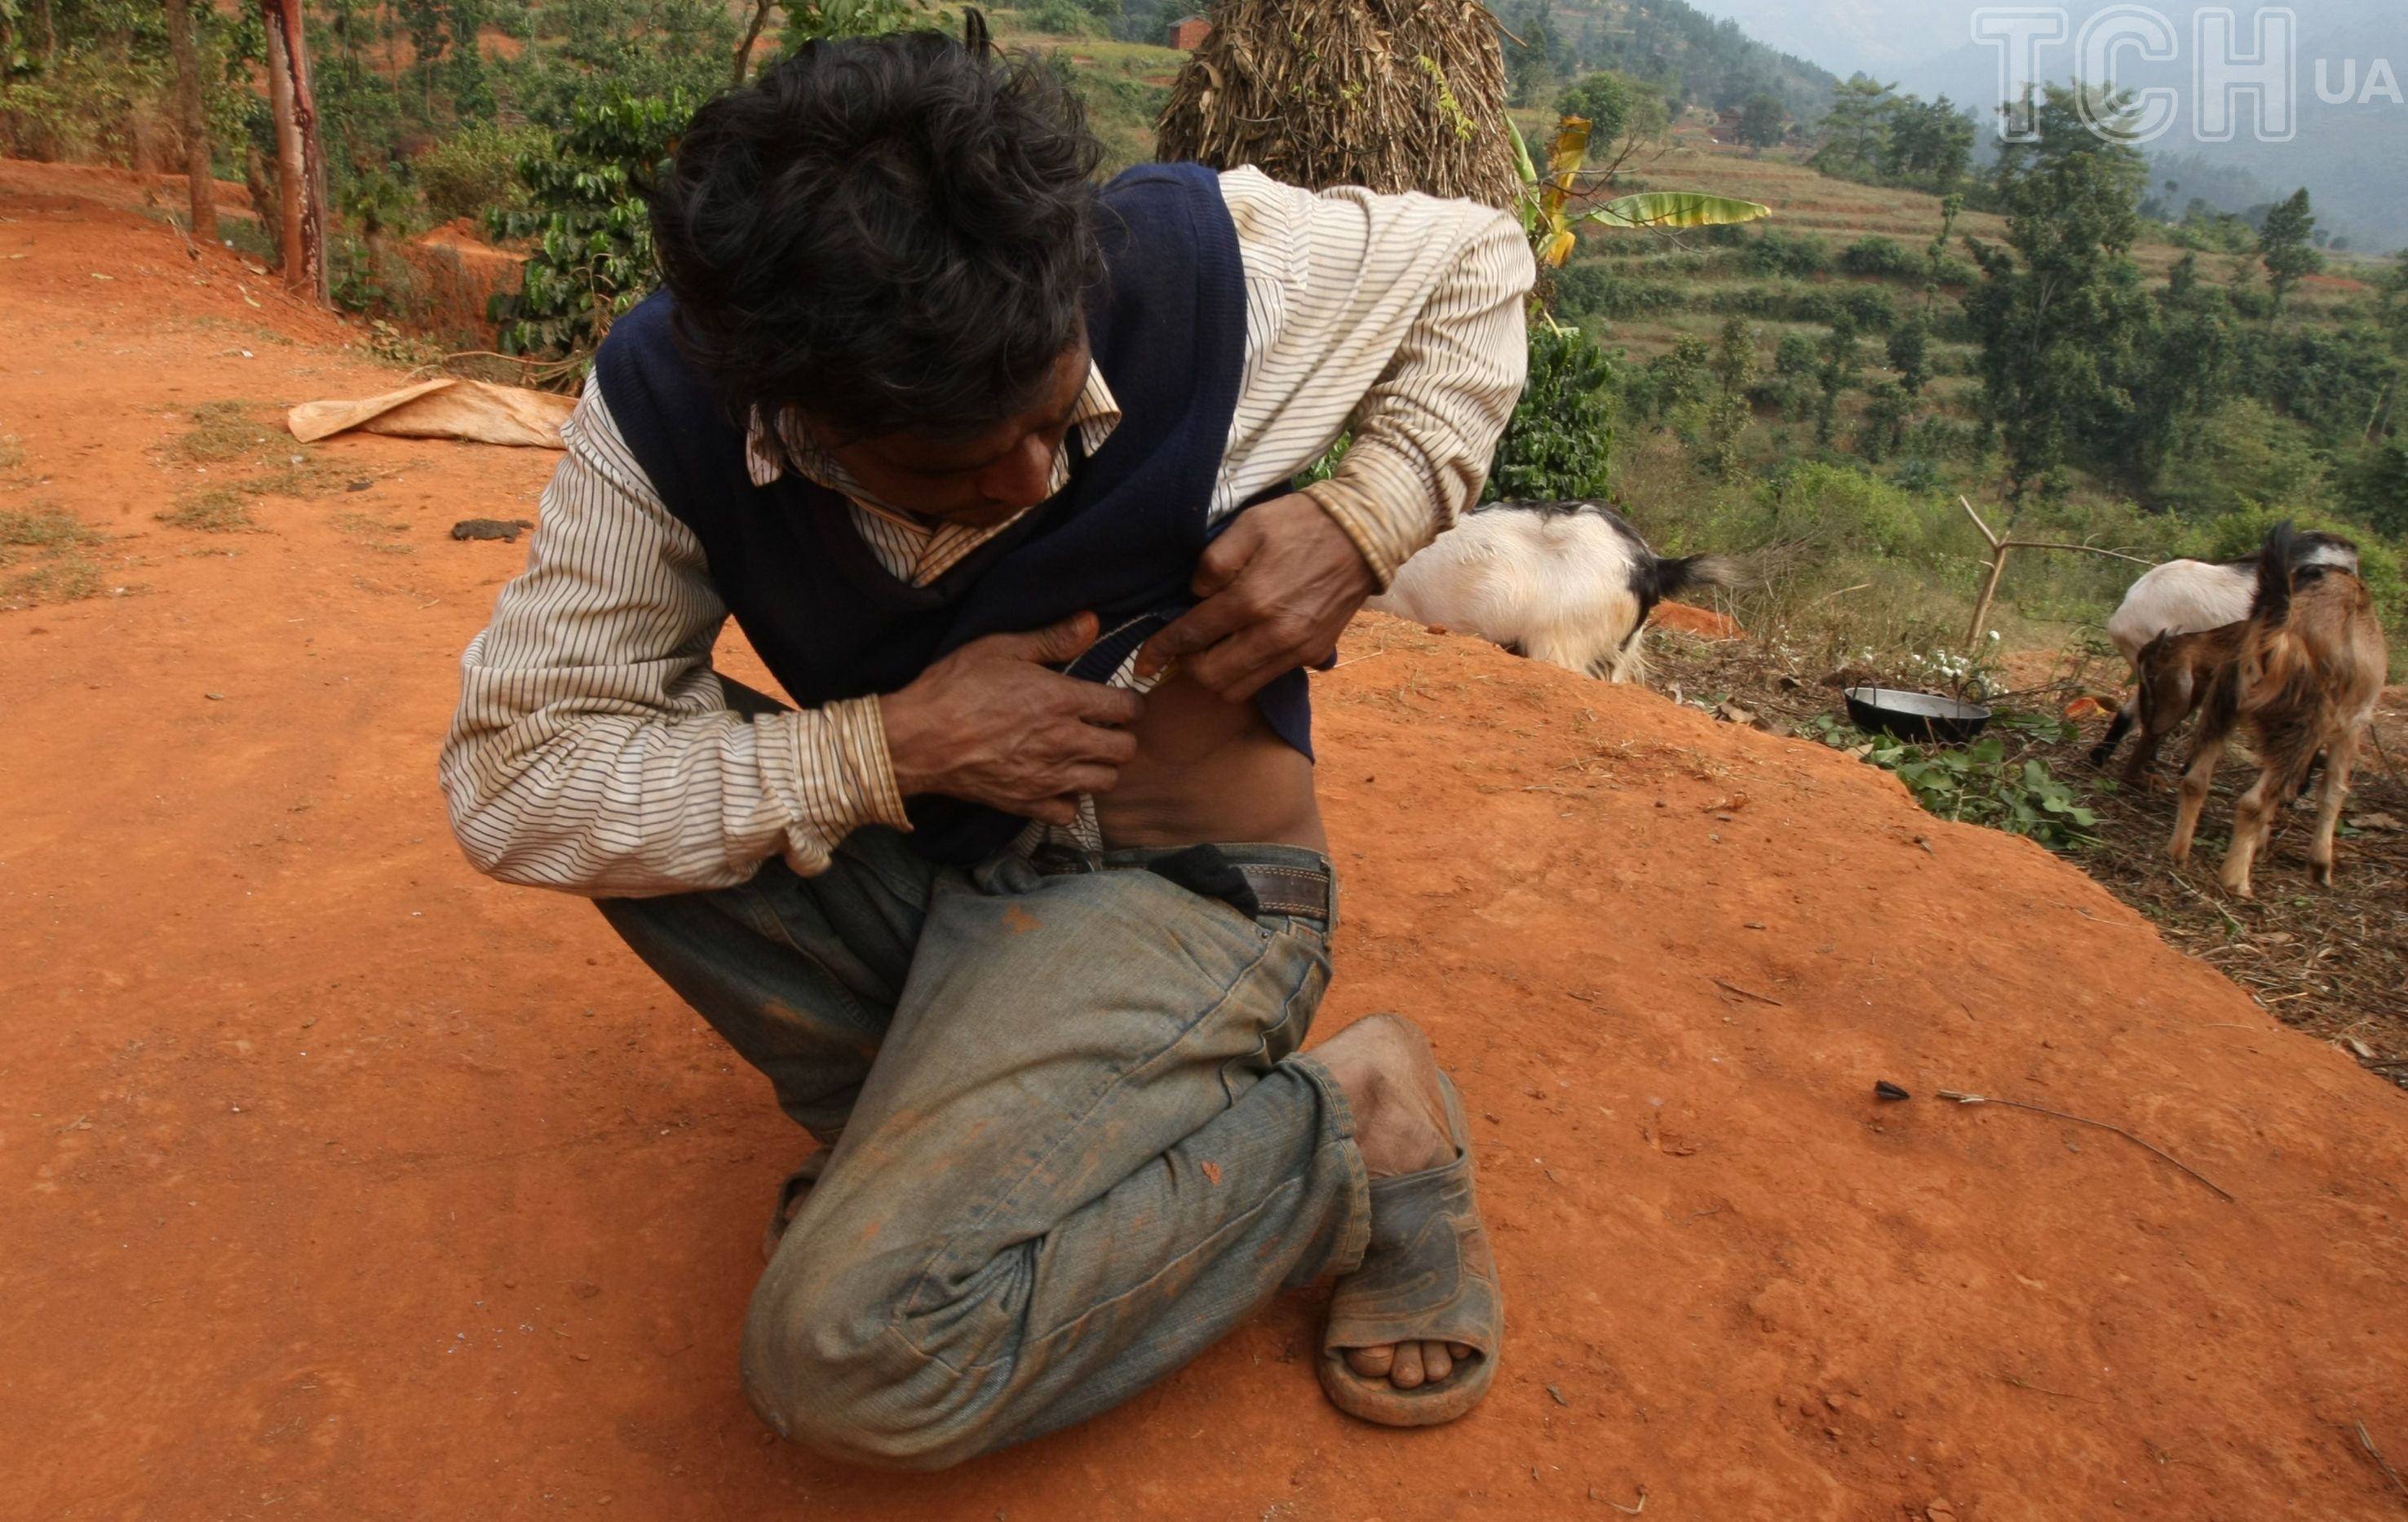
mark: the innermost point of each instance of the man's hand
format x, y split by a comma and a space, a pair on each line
1278, 586
990, 724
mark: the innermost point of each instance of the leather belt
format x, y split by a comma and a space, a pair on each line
1253, 887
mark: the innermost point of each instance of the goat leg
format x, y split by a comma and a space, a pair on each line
2104, 751
2196, 778
2339, 758
2143, 758
2253, 820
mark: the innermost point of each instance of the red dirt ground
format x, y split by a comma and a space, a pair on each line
343, 1183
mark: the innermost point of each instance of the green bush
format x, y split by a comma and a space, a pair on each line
1063, 18
1883, 258
1559, 443
593, 255
1789, 254
1870, 306
475, 170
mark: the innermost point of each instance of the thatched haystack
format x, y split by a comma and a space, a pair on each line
1393, 94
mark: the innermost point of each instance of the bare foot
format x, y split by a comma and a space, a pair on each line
1391, 1078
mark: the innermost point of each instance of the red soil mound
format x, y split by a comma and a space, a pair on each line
1698, 621
342, 1183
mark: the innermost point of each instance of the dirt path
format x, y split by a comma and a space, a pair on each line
340, 1182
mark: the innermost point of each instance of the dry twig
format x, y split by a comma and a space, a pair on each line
2085, 1120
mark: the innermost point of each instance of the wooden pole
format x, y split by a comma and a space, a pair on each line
301, 164
1999, 549
204, 185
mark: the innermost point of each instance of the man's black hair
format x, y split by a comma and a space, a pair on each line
883, 234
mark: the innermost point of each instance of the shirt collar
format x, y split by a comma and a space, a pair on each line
1098, 413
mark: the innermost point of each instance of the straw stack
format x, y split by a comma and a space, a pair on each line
1385, 93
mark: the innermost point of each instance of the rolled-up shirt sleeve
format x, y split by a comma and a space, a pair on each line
594, 751
1399, 318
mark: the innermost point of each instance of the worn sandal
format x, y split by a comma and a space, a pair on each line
790, 1195
1428, 1276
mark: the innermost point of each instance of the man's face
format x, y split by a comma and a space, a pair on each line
979, 481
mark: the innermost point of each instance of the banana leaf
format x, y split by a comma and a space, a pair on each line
1674, 208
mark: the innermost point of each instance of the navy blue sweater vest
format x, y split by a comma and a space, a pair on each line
1121, 540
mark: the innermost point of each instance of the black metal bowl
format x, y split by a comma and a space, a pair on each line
1916, 716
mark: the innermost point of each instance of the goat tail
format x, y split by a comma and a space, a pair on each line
1674, 576
2271, 607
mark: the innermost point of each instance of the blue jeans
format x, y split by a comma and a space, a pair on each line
1075, 1144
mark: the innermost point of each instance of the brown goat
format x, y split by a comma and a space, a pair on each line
2177, 673
2311, 662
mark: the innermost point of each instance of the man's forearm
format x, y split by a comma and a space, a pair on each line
614, 804
593, 750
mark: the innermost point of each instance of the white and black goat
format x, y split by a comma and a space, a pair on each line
2192, 596
1570, 583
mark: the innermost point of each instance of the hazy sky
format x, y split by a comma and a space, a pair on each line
2353, 154
1891, 36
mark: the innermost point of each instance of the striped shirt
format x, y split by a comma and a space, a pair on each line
593, 750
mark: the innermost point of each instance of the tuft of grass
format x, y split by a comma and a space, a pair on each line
220, 510
12, 454
43, 526
64, 578
298, 474
222, 430
373, 533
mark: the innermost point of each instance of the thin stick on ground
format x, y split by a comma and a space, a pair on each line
2367, 1438
1734, 988
2085, 1120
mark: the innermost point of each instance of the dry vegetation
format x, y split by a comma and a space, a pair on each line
243, 458
45, 556
1399, 96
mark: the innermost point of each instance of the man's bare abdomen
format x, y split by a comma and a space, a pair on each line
1210, 773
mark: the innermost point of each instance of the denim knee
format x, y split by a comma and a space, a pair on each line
830, 1363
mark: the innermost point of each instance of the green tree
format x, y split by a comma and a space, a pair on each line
1935, 258
1910, 356
1605, 100
1881, 432
1794, 364
1763, 122
1735, 362
1837, 371
1929, 144
2375, 487
2060, 317
2391, 322
1855, 132
1537, 62
2287, 246
2188, 360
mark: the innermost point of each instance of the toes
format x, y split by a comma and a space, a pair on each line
1460, 1350
1371, 1362
1435, 1364
1407, 1373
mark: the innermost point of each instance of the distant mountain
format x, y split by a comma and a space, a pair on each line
1718, 63
2352, 157
1878, 36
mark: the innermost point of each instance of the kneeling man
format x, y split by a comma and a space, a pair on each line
1025, 909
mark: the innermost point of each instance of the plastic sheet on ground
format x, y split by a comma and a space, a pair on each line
446, 408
